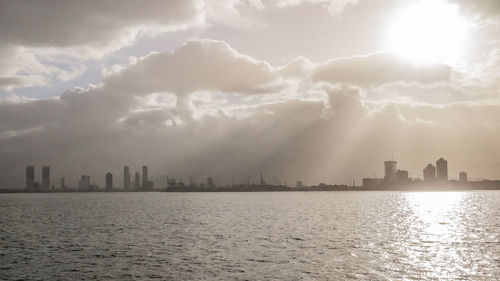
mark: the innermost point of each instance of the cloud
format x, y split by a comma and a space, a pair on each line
379, 68
196, 66
488, 8
37, 33
239, 117
334, 6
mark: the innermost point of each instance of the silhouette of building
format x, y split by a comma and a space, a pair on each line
45, 177
402, 176
63, 187
126, 178
262, 182
442, 169
462, 177
144, 176
30, 177
299, 184
137, 183
109, 182
373, 182
210, 182
84, 182
429, 173
390, 170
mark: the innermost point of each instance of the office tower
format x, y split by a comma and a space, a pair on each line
390, 170
126, 178
144, 176
137, 180
109, 182
45, 177
63, 187
210, 182
442, 169
430, 173
462, 176
30, 177
402, 176
84, 182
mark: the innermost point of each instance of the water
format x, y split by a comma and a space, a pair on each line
251, 236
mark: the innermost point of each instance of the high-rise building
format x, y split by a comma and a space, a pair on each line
462, 177
442, 169
126, 178
109, 182
402, 176
210, 182
84, 182
45, 177
137, 183
30, 177
144, 176
63, 187
390, 170
429, 173
299, 184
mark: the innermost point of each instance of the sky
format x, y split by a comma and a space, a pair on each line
310, 90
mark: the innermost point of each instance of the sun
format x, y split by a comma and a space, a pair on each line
429, 31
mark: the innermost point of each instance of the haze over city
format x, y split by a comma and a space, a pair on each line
316, 90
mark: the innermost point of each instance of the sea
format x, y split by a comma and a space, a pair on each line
352, 235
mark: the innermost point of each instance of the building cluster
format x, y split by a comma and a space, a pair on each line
84, 183
394, 177
31, 184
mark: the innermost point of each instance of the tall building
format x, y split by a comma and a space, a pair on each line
84, 182
462, 177
137, 182
63, 186
109, 182
402, 176
30, 177
429, 173
442, 169
126, 178
45, 177
390, 170
144, 176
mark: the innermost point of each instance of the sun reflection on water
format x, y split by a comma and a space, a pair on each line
436, 232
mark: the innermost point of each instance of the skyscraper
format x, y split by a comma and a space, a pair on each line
144, 176
63, 186
442, 169
45, 177
109, 182
429, 173
137, 183
30, 177
84, 182
462, 177
390, 170
126, 178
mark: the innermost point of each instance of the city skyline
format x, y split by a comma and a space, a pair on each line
319, 90
392, 176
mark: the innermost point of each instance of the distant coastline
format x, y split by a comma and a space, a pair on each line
445, 186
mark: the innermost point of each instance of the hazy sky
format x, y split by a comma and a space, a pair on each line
316, 90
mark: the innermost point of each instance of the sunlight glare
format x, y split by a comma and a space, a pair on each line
430, 31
